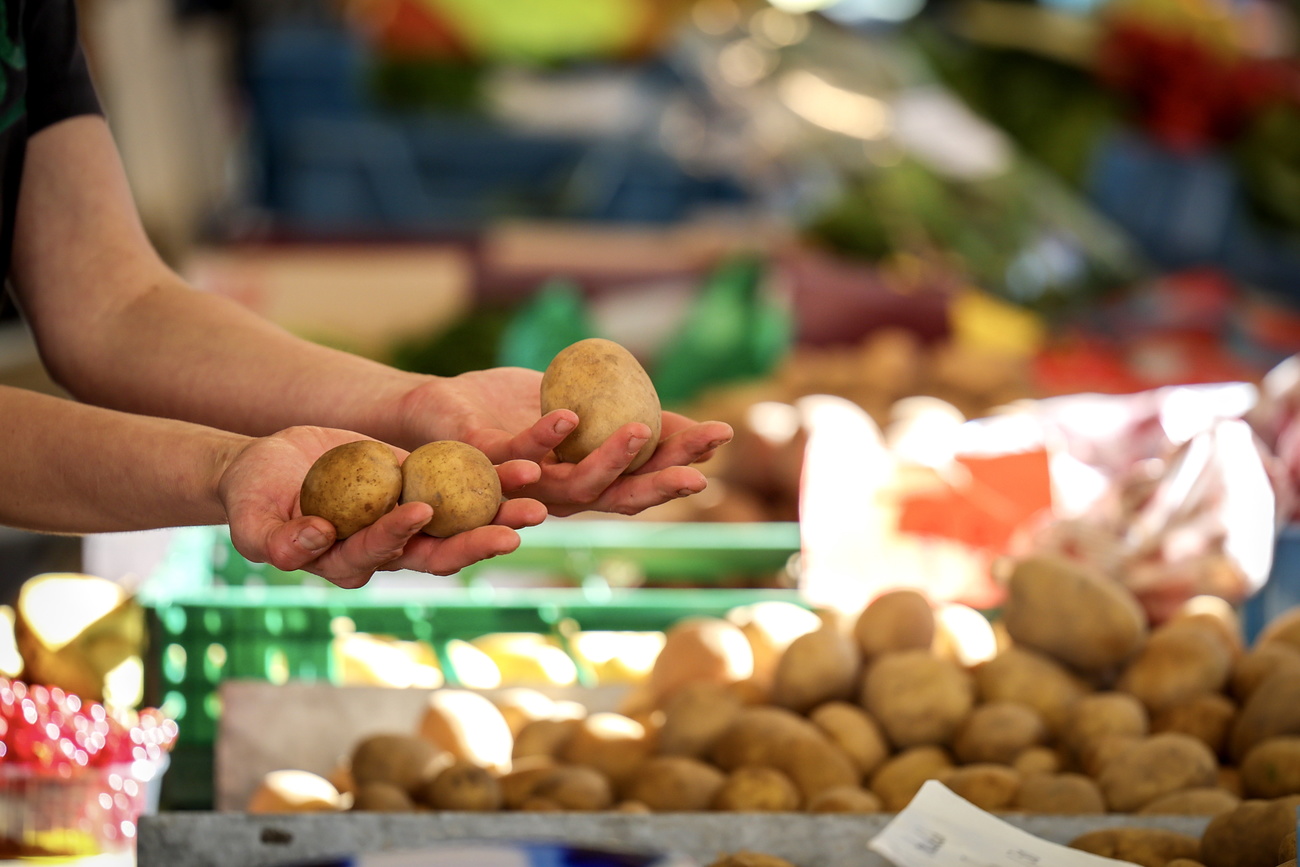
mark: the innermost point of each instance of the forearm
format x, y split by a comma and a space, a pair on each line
70, 468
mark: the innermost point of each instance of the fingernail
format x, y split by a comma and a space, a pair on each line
717, 444
684, 492
313, 540
563, 426
634, 444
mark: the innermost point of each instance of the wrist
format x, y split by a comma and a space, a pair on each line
419, 414
223, 449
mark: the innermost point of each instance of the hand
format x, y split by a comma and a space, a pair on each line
259, 490
499, 412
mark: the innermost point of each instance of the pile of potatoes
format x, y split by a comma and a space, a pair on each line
1077, 707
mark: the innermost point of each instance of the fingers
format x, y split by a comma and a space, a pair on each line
532, 444
633, 494
287, 546
354, 560
691, 444
518, 474
520, 513
446, 556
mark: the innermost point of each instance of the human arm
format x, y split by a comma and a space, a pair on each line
72, 468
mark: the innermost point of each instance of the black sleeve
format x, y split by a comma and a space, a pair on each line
58, 81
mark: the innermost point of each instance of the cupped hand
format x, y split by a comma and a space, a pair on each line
259, 490
499, 411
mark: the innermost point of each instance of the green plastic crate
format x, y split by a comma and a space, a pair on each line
213, 616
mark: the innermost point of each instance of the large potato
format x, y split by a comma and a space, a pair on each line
1148, 847
1272, 768
1098, 754
463, 787
468, 726
760, 736
1207, 717
695, 717
815, 765
854, 731
525, 775
1073, 614
1059, 794
1103, 714
700, 650
1215, 614
817, 667
607, 387
574, 788
675, 784
1154, 767
291, 791
1193, 802
1273, 709
352, 486
1250, 835
997, 732
987, 786
1028, 677
917, 698
895, 620
1176, 664
755, 789
771, 627
1260, 663
898, 780
611, 743
457, 480
396, 759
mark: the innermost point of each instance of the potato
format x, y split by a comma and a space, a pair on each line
399, 760
1184, 862
1286, 850
540, 805
755, 789
997, 732
898, 780
1175, 665
1098, 754
352, 486
521, 705
1215, 614
854, 731
1059, 794
695, 717
1073, 614
469, 726
382, 798
291, 791
901, 619
1272, 768
1193, 802
987, 786
545, 737
1230, 781
750, 859
1038, 760
1148, 847
675, 784
1250, 835
700, 650
1031, 678
463, 787
1156, 766
607, 387
845, 799
611, 743
525, 775
815, 764
575, 788
917, 698
817, 667
1102, 714
458, 481
760, 736
770, 627
1283, 629
1272, 710
1207, 717
1260, 663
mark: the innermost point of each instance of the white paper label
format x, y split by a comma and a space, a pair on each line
940, 829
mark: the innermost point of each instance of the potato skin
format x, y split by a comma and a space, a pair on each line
1103, 714
607, 387
1148, 847
352, 486
676, 784
1250, 835
998, 732
898, 780
1154, 767
987, 786
1059, 794
1273, 709
755, 789
817, 667
401, 761
1272, 768
845, 799
576, 788
463, 787
1026, 676
1193, 802
459, 482
901, 619
917, 698
1177, 663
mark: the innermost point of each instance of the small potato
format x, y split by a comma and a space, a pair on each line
1102, 752
895, 620
815, 764
1024, 676
458, 481
382, 798
525, 775
610, 743
1261, 662
1193, 802
1148, 847
607, 387
1271, 711
1156, 766
545, 737
898, 780
291, 791
1059, 794
1272, 768
855, 732
675, 784
695, 717
845, 799
917, 698
818, 667
987, 786
1176, 664
770, 627
1038, 760
469, 726
463, 787
760, 736
1207, 717
575, 788
700, 650
352, 486
1102, 714
754, 789
997, 732
399, 760
1250, 835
